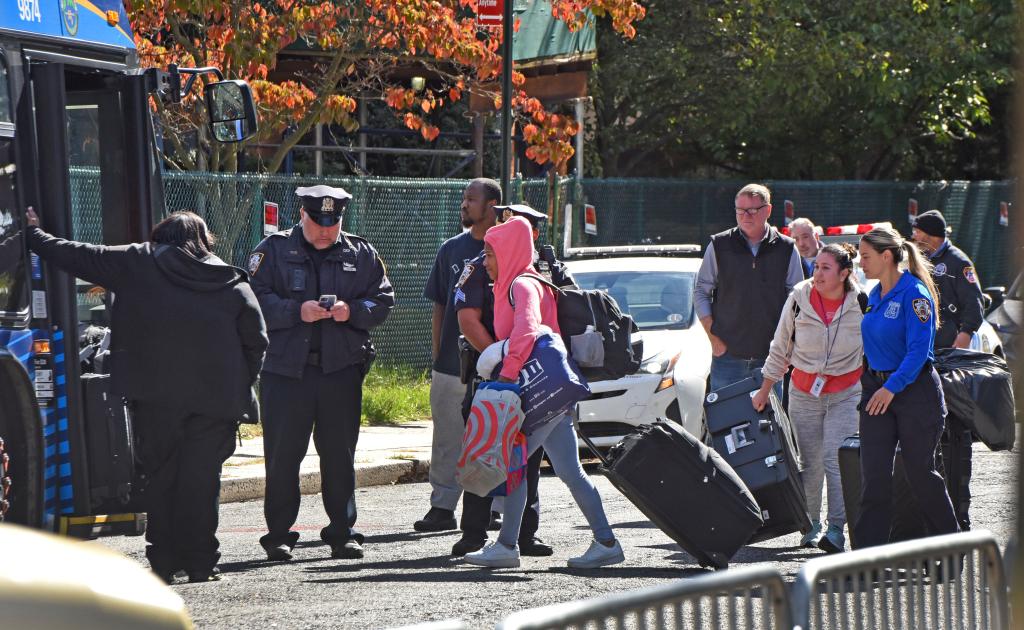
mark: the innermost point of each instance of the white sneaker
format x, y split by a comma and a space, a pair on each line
598, 556
495, 555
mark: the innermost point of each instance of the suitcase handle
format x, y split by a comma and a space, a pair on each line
590, 444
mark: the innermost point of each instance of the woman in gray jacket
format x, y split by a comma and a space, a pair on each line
819, 335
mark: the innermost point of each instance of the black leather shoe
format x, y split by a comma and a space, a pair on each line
213, 575
278, 553
534, 547
495, 523
436, 520
351, 550
467, 545
165, 575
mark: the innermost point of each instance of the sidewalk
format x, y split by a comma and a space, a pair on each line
384, 455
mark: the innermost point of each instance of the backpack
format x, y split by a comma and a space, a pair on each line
588, 314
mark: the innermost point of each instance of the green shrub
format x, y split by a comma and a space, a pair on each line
393, 394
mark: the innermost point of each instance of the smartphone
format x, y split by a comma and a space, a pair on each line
327, 301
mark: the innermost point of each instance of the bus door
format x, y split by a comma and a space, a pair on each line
96, 181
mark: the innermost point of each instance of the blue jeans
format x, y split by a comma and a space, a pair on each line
559, 441
726, 370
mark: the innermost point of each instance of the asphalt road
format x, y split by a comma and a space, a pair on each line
407, 577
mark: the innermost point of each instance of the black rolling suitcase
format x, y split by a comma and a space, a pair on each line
685, 488
110, 452
762, 448
907, 522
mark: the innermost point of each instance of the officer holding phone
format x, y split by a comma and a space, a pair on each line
321, 291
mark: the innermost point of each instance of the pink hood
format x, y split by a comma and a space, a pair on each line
512, 243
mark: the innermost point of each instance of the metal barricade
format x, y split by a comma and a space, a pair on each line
953, 581
746, 597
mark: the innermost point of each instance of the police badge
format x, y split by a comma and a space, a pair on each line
923, 309
940, 269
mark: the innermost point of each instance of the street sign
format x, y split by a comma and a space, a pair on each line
269, 218
489, 12
590, 219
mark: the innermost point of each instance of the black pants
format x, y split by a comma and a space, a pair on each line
181, 455
476, 510
328, 406
958, 454
914, 419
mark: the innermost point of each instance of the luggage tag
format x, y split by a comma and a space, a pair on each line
818, 385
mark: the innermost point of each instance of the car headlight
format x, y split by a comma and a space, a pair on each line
664, 365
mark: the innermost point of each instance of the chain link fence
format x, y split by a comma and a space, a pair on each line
408, 219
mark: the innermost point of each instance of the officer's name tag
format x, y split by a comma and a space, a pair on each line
818, 385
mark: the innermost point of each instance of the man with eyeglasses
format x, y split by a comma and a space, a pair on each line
743, 282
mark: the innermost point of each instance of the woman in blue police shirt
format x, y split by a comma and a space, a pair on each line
902, 398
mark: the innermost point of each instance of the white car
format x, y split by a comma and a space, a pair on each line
658, 293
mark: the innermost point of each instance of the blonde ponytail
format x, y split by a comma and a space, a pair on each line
883, 239
921, 267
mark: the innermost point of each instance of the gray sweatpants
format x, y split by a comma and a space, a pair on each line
446, 394
821, 426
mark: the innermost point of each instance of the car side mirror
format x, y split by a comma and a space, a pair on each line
232, 111
995, 297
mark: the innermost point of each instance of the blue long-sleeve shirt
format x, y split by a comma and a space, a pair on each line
898, 330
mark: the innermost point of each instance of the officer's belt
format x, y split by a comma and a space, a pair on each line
313, 358
882, 376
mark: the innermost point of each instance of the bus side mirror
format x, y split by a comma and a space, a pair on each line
232, 111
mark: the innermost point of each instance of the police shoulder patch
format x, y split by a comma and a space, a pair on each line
923, 309
254, 262
970, 275
467, 271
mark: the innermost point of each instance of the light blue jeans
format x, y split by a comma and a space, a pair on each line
559, 441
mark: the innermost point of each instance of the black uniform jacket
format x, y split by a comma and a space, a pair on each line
283, 278
960, 297
185, 332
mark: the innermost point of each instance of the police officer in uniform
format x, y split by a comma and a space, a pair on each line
962, 311
474, 303
321, 290
902, 401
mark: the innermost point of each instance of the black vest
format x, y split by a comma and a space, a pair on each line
750, 291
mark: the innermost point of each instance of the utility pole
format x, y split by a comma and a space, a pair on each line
506, 101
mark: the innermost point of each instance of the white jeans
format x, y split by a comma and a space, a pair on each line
821, 426
446, 394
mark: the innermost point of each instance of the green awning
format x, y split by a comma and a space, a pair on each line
541, 36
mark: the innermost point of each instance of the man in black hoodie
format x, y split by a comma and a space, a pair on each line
187, 346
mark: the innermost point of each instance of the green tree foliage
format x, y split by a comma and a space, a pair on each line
808, 89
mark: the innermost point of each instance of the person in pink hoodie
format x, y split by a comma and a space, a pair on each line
508, 250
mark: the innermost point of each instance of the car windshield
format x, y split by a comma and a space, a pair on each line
657, 300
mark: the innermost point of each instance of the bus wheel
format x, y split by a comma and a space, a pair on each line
21, 447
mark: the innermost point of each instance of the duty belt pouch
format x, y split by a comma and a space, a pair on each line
369, 357
587, 348
467, 360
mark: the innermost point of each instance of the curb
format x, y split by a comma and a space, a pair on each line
235, 489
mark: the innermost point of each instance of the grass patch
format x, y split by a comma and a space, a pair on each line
393, 394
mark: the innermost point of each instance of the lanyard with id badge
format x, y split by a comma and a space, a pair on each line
820, 380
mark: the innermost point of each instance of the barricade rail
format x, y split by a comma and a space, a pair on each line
953, 581
747, 597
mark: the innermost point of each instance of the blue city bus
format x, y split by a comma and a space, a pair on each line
77, 143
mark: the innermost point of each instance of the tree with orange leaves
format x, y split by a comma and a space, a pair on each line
357, 43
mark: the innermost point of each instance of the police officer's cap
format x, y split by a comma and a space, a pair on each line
505, 213
324, 204
931, 223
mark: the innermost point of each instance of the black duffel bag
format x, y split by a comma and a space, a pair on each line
979, 393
